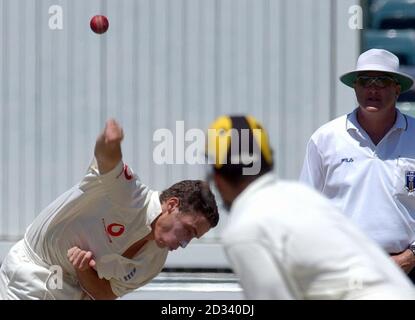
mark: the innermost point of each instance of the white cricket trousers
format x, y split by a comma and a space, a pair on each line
24, 276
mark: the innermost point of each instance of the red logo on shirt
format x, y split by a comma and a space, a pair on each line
115, 229
127, 173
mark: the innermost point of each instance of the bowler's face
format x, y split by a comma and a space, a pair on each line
178, 229
374, 98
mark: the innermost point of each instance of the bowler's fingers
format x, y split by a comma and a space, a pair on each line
113, 131
73, 253
92, 263
79, 256
83, 265
80, 259
70, 252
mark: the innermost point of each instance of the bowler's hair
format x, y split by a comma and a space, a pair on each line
194, 195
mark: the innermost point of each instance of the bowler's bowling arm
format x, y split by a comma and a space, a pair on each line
108, 147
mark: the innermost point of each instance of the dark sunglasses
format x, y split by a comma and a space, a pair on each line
379, 81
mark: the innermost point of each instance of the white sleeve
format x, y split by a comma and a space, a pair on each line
121, 184
259, 274
312, 172
126, 275
121, 288
93, 177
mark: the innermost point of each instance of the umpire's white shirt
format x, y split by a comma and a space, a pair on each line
105, 214
368, 183
286, 241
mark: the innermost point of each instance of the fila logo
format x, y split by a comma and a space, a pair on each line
348, 160
114, 230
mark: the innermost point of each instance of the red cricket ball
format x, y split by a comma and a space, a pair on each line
99, 24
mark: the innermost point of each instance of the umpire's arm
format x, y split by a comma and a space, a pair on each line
108, 147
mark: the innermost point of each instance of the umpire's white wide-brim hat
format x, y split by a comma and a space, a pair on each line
378, 60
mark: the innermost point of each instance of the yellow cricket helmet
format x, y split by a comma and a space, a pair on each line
237, 141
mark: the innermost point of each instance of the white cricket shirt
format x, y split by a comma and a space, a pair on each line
286, 241
371, 184
105, 214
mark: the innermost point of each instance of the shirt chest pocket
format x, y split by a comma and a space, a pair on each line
405, 178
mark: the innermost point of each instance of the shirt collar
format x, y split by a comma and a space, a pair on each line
153, 209
401, 122
259, 183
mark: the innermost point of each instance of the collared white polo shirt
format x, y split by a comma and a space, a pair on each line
371, 184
